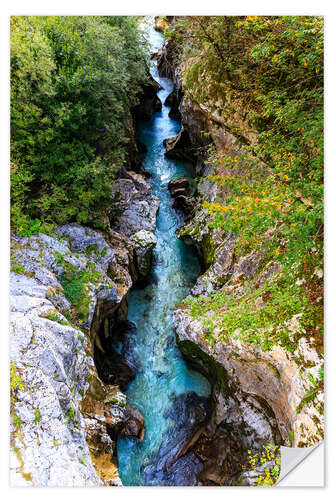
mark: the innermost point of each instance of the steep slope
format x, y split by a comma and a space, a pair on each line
252, 322
65, 288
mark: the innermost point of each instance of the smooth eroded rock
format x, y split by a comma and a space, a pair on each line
133, 424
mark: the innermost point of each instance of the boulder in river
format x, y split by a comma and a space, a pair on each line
143, 243
184, 203
134, 206
173, 101
133, 425
180, 147
149, 101
173, 464
176, 184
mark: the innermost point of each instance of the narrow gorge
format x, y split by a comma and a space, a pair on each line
172, 398
153, 346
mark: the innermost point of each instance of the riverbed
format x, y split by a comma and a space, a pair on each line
169, 395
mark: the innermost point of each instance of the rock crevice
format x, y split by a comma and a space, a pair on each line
257, 392
69, 291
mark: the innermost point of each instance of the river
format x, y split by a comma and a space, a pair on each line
167, 393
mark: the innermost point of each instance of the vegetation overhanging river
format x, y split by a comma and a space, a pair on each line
164, 385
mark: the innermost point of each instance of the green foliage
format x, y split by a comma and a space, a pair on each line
80, 337
54, 317
69, 316
16, 267
93, 248
73, 81
59, 258
37, 416
93, 275
70, 413
317, 387
75, 283
16, 382
261, 78
258, 316
269, 475
27, 227
267, 75
17, 421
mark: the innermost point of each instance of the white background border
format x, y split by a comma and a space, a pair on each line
150, 7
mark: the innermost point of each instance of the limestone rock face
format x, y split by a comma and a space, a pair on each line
259, 392
185, 204
133, 215
65, 288
179, 189
61, 407
173, 101
133, 424
262, 388
197, 118
134, 207
165, 59
193, 121
48, 439
180, 147
250, 477
132, 158
143, 243
149, 101
180, 183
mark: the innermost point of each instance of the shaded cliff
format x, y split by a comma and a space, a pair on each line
245, 325
69, 292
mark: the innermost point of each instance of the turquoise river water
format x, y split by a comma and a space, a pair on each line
162, 374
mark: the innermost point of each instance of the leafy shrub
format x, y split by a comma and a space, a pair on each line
74, 284
16, 382
317, 387
73, 81
27, 227
16, 267
261, 78
54, 317
37, 416
269, 475
259, 315
70, 415
17, 421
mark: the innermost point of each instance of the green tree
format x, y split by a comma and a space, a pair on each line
73, 82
